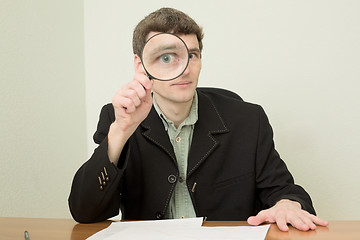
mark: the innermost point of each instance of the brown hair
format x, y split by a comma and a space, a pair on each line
165, 20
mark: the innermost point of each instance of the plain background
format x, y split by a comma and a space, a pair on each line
62, 60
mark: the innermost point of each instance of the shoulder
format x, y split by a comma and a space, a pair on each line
230, 107
212, 91
225, 100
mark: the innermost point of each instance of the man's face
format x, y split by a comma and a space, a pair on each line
181, 89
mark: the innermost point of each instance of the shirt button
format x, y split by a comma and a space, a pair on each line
172, 178
178, 139
181, 179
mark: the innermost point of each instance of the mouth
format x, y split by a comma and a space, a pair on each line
182, 84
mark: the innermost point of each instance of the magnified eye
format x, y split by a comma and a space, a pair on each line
166, 58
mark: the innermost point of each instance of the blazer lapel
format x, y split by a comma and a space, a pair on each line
203, 144
208, 124
154, 131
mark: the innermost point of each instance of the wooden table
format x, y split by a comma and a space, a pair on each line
64, 229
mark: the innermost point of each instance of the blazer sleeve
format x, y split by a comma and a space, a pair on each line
95, 191
274, 181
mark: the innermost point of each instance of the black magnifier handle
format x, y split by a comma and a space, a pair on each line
149, 76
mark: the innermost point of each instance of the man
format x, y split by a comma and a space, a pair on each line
170, 150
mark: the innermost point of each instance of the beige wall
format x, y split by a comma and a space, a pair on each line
42, 105
298, 59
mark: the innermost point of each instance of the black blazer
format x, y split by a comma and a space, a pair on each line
232, 163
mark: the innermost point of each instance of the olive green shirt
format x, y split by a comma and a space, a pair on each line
180, 205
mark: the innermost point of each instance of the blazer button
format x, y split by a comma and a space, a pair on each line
159, 215
172, 179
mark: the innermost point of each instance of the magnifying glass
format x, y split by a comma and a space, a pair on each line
165, 57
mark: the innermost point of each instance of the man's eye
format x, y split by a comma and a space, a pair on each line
166, 58
193, 55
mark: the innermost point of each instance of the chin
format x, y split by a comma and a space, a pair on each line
185, 98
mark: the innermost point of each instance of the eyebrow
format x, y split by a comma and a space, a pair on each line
195, 49
161, 49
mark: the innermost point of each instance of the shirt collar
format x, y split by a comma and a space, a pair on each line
190, 120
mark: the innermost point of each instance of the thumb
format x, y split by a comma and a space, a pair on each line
255, 220
148, 96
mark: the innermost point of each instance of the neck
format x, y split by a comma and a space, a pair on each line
177, 112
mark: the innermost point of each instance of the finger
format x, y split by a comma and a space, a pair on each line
127, 104
128, 96
133, 96
300, 223
116, 102
281, 222
254, 220
319, 221
308, 221
148, 97
142, 94
141, 91
311, 221
143, 80
260, 218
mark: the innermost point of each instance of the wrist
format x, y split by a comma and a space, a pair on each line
117, 138
288, 201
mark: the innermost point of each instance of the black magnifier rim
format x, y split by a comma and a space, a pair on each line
142, 62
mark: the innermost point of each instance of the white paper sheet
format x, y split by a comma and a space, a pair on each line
120, 227
177, 229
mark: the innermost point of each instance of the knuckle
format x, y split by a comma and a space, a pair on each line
127, 102
132, 93
115, 101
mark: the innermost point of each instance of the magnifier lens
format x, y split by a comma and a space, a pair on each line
165, 56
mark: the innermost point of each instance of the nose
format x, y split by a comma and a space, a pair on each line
187, 69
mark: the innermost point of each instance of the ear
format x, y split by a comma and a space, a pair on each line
138, 65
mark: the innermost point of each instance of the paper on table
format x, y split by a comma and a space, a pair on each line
177, 229
119, 227
238, 232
